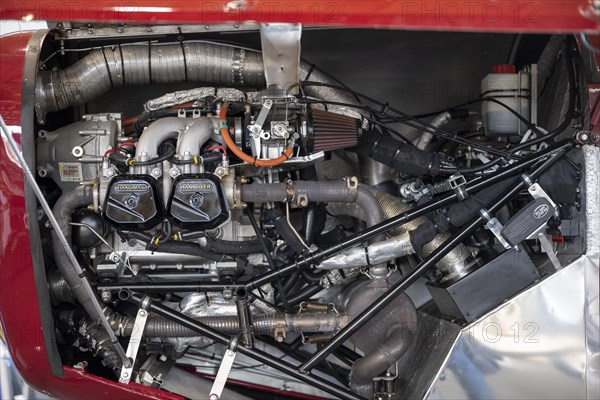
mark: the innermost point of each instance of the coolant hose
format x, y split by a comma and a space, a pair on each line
188, 248
230, 247
317, 192
404, 158
79, 197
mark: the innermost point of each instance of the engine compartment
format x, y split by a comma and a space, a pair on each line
222, 200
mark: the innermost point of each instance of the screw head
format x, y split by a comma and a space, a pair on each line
197, 200
105, 296
77, 151
174, 172
156, 172
132, 201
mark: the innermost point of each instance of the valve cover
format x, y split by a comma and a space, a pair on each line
133, 202
198, 202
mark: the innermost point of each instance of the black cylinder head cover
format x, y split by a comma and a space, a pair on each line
133, 202
197, 202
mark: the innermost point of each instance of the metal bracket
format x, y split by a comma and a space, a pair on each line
495, 227
134, 344
457, 183
224, 369
383, 386
547, 248
256, 130
535, 190
280, 45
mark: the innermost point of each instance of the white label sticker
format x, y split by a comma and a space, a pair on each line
70, 172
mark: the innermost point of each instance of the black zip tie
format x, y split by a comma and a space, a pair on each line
122, 66
184, 58
149, 61
385, 108
107, 67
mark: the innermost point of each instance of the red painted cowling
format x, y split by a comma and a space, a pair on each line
485, 15
19, 310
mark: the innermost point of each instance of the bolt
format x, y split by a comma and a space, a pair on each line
174, 172
149, 29
197, 200
120, 29
109, 173
114, 257
125, 374
213, 396
105, 296
227, 294
143, 313
132, 201
583, 137
156, 172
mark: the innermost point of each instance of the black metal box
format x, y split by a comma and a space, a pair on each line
486, 287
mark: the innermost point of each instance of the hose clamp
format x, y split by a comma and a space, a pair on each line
457, 183
495, 227
146, 302
526, 179
289, 191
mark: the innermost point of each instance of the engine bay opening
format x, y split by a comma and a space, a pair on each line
318, 210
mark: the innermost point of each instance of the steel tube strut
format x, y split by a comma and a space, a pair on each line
256, 354
428, 263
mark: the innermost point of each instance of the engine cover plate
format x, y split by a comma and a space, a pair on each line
133, 202
198, 202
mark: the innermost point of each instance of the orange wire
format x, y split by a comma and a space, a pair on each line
243, 156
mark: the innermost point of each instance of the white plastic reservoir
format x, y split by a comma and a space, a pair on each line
512, 89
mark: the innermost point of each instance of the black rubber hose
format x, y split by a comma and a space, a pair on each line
404, 158
229, 247
313, 276
79, 197
145, 119
188, 248
304, 294
285, 230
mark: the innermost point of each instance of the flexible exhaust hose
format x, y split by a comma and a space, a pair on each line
144, 64
262, 324
149, 63
452, 263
